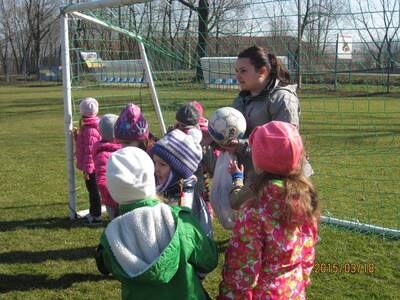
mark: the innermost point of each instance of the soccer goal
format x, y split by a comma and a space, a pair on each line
160, 54
90, 68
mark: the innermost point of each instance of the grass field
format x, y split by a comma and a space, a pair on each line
352, 138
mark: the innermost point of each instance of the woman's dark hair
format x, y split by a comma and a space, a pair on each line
259, 57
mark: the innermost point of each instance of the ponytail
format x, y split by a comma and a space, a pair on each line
259, 57
278, 70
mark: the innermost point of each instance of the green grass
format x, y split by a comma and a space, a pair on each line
352, 139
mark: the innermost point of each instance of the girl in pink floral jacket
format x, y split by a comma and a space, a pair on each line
87, 135
271, 252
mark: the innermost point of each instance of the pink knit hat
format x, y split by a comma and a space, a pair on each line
277, 147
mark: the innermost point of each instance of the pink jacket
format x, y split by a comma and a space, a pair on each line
264, 260
102, 150
87, 136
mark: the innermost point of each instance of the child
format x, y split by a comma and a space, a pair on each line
102, 150
131, 128
153, 249
271, 252
190, 119
207, 165
85, 138
176, 157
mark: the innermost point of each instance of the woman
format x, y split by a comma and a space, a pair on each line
265, 95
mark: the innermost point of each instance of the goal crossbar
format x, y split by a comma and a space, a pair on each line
80, 7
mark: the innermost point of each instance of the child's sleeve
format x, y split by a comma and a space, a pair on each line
240, 193
92, 137
308, 256
243, 257
102, 263
204, 256
209, 159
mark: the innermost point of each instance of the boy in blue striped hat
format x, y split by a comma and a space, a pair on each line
176, 157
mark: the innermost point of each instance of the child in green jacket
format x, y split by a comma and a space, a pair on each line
152, 248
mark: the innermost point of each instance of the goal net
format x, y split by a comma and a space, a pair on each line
160, 54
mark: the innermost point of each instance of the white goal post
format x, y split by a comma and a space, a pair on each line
75, 11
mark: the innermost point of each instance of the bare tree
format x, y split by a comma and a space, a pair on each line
210, 13
380, 20
322, 16
40, 17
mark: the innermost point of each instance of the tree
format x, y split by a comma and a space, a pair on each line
209, 17
381, 21
40, 17
321, 16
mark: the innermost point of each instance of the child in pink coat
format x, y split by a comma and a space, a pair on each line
87, 135
271, 252
102, 150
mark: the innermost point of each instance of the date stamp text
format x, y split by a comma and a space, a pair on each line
347, 267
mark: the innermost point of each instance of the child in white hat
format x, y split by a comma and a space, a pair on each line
154, 249
85, 138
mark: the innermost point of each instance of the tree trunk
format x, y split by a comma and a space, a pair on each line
202, 48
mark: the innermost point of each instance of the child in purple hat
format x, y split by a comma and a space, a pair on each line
131, 128
177, 156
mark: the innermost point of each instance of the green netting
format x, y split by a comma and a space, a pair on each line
350, 117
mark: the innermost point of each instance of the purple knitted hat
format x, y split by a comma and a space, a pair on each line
131, 124
180, 152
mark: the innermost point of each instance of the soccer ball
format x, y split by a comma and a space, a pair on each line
226, 124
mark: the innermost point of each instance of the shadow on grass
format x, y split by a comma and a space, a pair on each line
13, 257
33, 205
46, 223
26, 282
30, 112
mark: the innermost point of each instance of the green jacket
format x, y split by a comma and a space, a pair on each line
155, 250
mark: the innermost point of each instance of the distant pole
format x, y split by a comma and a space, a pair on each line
388, 74
350, 69
298, 44
336, 62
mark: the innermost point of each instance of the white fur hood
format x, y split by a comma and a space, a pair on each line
139, 239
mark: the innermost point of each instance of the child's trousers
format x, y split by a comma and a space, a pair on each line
94, 196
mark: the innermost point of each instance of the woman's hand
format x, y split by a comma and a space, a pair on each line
231, 146
234, 168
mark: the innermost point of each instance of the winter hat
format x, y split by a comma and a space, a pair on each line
188, 115
130, 175
203, 122
89, 107
131, 124
106, 125
180, 151
277, 147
